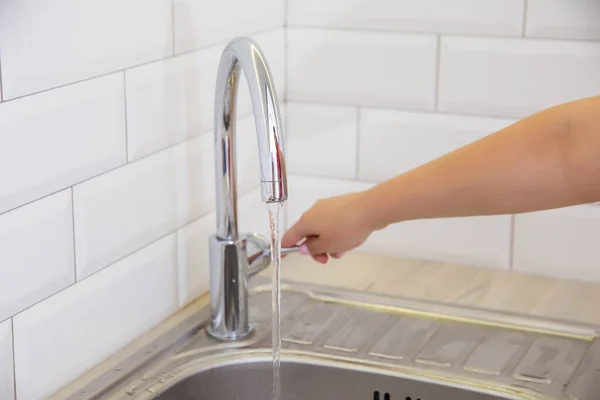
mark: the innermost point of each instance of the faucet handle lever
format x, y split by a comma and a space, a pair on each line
262, 257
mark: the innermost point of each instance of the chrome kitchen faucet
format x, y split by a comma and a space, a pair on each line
230, 265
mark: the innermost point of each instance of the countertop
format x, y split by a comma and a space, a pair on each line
490, 289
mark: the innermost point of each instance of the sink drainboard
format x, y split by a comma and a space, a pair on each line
422, 352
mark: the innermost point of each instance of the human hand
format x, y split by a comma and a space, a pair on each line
331, 227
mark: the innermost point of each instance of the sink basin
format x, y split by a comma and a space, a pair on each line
350, 345
311, 380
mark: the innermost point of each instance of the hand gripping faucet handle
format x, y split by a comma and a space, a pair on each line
262, 258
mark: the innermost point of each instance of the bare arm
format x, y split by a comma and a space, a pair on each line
548, 160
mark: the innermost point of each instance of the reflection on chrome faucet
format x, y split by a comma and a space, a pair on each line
229, 263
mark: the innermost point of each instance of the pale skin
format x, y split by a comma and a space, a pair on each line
548, 160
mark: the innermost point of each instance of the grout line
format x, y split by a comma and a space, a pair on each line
451, 34
406, 109
436, 94
126, 119
14, 359
73, 232
357, 167
130, 67
524, 28
511, 247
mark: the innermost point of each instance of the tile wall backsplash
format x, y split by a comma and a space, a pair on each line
106, 146
107, 171
376, 88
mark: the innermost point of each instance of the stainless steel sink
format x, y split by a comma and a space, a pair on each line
348, 345
251, 378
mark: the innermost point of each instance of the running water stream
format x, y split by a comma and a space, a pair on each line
274, 211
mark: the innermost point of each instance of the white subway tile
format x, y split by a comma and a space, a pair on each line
55, 139
7, 380
562, 242
193, 258
322, 140
65, 335
478, 241
362, 68
200, 24
193, 240
121, 211
393, 142
569, 19
489, 17
475, 241
173, 100
512, 77
48, 44
36, 252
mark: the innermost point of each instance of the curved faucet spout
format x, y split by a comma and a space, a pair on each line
244, 54
229, 266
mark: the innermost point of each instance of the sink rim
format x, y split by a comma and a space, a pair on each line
264, 355
181, 329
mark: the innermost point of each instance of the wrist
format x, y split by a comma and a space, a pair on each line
373, 209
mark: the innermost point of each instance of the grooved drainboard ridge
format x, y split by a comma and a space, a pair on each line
565, 367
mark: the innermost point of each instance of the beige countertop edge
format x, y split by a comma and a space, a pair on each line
490, 289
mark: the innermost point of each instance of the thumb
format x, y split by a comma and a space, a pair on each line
294, 235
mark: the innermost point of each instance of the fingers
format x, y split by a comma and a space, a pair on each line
294, 235
321, 258
337, 255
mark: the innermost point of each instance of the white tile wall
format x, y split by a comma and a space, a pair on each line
561, 242
392, 142
362, 68
7, 383
322, 139
173, 99
57, 138
480, 241
36, 252
170, 100
119, 212
475, 241
74, 40
574, 19
515, 77
199, 24
106, 150
58, 339
488, 17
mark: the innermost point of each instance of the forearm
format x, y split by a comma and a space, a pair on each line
548, 160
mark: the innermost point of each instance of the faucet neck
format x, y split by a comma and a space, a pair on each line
242, 53
228, 255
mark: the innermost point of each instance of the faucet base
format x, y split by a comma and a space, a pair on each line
229, 289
